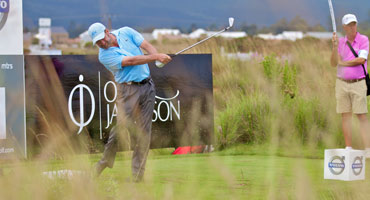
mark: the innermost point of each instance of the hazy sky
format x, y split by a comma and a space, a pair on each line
168, 13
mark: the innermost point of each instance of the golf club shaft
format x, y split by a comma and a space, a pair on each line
225, 29
332, 16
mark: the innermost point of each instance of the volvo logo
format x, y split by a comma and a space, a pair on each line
357, 165
4, 10
336, 165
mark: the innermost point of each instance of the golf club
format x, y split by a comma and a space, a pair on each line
332, 16
231, 23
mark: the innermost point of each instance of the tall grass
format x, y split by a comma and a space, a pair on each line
279, 103
292, 88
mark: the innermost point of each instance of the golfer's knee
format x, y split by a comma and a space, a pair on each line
362, 117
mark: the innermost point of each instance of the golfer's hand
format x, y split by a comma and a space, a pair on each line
335, 41
163, 58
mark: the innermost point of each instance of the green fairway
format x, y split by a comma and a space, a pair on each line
233, 177
200, 176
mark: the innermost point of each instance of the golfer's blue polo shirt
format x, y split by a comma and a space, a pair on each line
129, 42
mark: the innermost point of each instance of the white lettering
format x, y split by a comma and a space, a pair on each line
4, 150
159, 111
115, 110
82, 123
155, 114
114, 113
110, 117
177, 113
170, 109
115, 92
6, 66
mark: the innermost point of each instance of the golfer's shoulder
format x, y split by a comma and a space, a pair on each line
363, 38
106, 54
102, 55
126, 30
342, 40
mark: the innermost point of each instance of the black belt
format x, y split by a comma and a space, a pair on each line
351, 80
143, 82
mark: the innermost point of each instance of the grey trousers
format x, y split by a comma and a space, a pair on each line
136, 104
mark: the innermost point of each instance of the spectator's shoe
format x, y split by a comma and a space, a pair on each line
348, 148
98, 169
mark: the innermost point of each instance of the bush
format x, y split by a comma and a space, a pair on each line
243, 121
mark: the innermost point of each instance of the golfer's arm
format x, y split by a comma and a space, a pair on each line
354, 62
150, 49
334, 58
138, 60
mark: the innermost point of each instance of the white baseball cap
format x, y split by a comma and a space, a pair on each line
96, 32
348, 18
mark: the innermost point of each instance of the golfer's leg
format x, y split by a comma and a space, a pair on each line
360, 109
143, 136
364, 129
346, 127
132, 111
344, 107
110, 150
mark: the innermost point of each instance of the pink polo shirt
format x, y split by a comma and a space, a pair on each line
361, 46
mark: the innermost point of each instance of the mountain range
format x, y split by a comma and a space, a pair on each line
180, 13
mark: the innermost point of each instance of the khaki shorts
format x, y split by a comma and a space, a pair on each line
351, 97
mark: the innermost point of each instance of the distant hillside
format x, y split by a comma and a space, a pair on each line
179, 13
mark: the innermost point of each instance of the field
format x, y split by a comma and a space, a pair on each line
238, 173
274, 116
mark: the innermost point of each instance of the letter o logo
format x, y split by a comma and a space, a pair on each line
3, 4
4, 9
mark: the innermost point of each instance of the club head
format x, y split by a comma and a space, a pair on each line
159, 64
231, 22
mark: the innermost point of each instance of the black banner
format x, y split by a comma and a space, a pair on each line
76, 95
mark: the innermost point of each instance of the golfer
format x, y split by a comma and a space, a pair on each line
350, 88
120, 52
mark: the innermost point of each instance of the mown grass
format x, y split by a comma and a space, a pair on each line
222, 175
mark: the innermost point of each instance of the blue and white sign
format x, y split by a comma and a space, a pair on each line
4, 10
344, 164
12, 107
2, 114
11, 27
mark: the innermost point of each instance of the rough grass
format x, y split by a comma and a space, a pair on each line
274, 116
222, 175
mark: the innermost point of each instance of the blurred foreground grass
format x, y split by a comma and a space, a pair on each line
274, 116
197, 176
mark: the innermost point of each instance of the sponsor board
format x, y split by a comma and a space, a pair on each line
183, 112
2, 114
342, 164
12, 107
